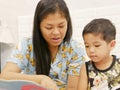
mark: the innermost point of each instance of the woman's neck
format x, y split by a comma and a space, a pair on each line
53, 51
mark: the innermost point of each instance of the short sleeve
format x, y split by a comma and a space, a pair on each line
19, 54
78, 57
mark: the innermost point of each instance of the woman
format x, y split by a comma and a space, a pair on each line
50, 58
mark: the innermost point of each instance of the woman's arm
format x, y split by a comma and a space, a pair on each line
12, 72
72, 82
83, 80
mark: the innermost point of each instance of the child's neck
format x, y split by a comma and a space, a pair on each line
104, 64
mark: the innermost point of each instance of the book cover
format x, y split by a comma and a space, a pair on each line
20, 85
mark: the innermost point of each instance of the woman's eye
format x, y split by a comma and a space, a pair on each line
48, 28
61, 26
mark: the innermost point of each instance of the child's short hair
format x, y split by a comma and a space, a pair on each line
101, 26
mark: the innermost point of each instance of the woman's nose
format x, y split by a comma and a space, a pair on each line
55, 31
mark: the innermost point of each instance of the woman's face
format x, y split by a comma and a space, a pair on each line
54, 28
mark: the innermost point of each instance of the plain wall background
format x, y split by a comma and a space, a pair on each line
10, 10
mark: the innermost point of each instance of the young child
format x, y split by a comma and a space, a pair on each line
102, 72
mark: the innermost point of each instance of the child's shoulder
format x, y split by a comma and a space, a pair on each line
117, 58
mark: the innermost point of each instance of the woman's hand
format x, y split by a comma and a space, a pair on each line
47, 82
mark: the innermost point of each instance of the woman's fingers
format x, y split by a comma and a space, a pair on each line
49, 83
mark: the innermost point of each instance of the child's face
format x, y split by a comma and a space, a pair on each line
97, 49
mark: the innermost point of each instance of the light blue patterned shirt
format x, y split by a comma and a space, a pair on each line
67, 61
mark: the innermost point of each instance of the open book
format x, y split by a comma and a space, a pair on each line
20, 85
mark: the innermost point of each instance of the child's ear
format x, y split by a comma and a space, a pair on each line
112, 43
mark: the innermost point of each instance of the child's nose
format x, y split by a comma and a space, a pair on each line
91, 49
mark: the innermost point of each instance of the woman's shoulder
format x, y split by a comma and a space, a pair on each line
74, 44
24, 43
26, 40
73, 48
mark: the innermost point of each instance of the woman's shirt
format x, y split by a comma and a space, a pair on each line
67, 61
108, 79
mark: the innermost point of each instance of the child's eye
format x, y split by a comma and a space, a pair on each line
87, 46
97, 45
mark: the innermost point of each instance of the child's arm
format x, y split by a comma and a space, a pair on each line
83, 80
